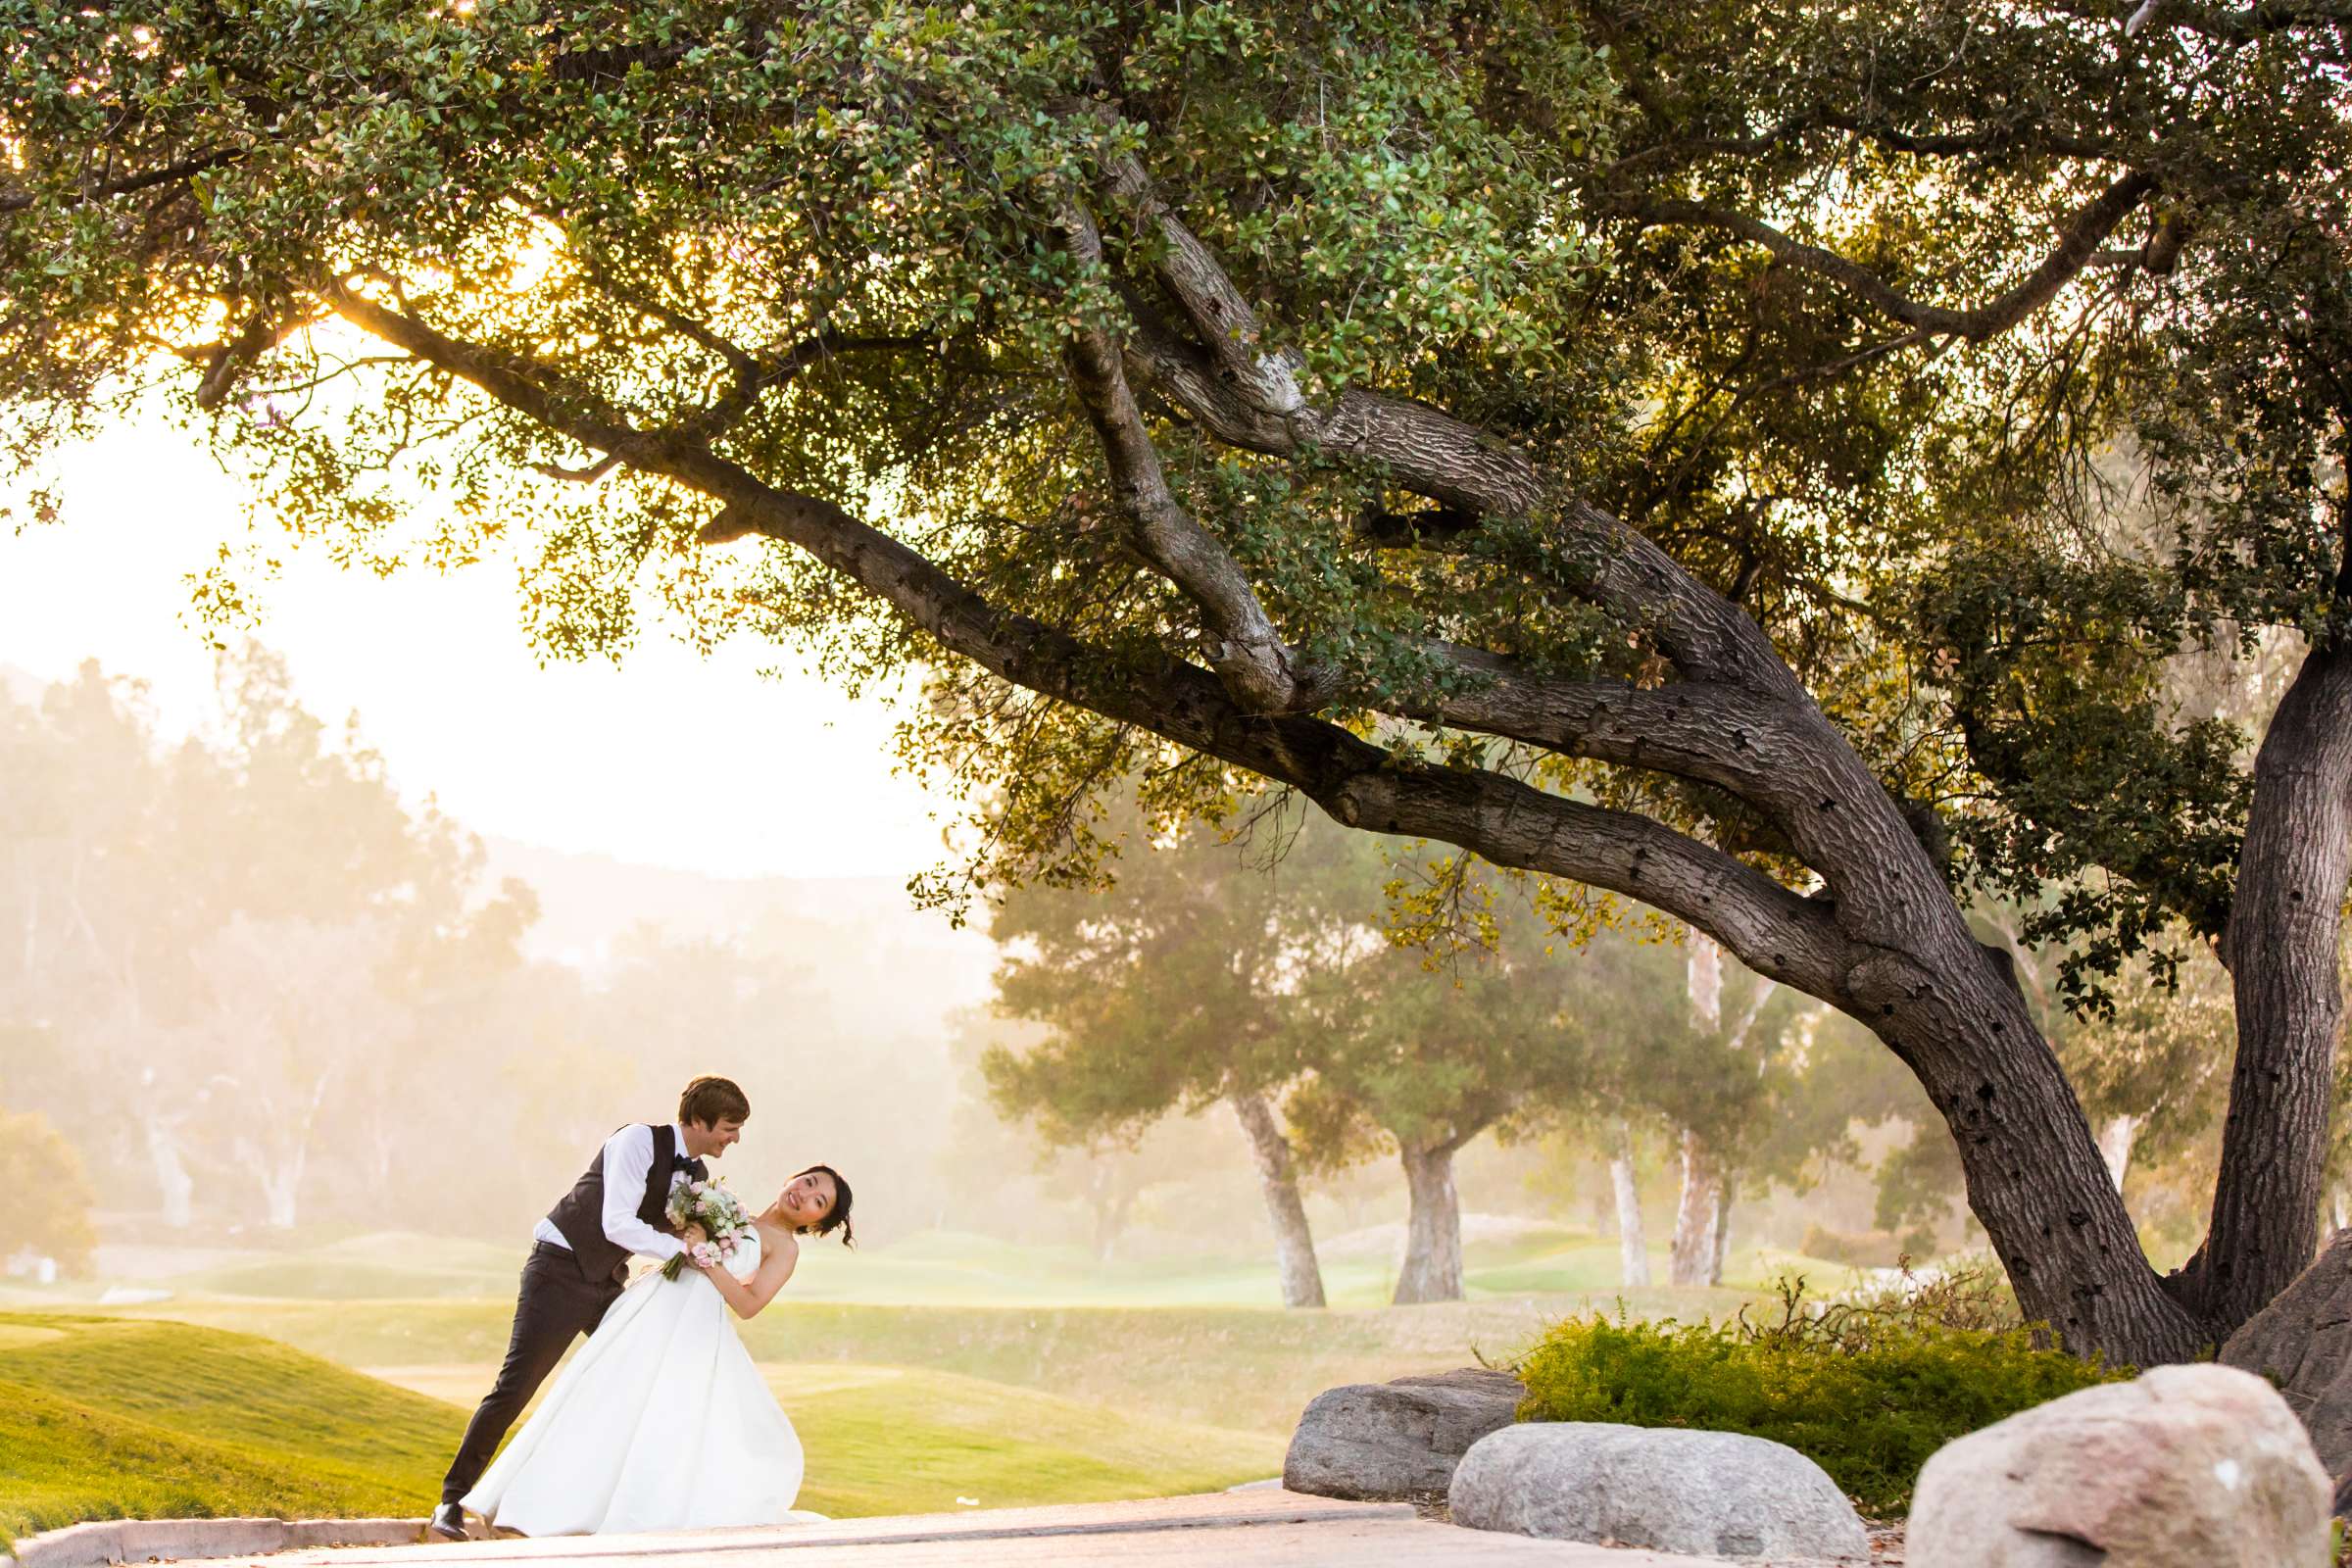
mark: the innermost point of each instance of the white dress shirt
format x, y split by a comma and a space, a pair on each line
628, 1160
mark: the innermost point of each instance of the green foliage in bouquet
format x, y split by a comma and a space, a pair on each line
708, 1206
1866, 1389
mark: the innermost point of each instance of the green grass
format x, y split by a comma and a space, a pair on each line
1251, 1368
945, 1366
894, 1439
105, 1418
949, 1268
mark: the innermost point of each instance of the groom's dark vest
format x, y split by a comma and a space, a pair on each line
580, 1216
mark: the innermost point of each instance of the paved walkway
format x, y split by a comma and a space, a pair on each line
1254, 1528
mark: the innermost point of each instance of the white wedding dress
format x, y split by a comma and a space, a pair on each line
661, 1422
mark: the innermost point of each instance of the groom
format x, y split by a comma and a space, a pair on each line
581, 1261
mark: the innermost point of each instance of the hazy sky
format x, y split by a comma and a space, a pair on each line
671, 759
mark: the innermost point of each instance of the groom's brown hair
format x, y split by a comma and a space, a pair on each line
710, 1101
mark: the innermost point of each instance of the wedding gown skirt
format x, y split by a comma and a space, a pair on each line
661, 1422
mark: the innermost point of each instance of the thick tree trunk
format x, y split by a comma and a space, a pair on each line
1693, 1258
1433, 1229
2116, 1141
2282, 947
1633, 1243
2035, 1179
1278, 1181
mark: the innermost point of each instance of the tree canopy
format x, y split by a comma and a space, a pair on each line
1666, 449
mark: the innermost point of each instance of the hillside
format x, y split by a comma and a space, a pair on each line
149, 1418
119, 1418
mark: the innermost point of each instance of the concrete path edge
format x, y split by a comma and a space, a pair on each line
103, 1542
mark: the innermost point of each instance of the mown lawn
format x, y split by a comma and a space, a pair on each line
950, 1268
903, 1440
123, 1418
941, 1369
1251, 1368
108, 1418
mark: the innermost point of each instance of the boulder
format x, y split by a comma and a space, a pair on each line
1705, 1493
2186, 1467
2302, 1343
1397, 1440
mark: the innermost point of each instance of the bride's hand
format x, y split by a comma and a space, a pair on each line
694, 1236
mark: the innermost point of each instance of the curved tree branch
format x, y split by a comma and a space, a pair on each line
1263, 673
2077, 248
1774, 930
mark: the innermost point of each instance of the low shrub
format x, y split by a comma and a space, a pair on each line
1867, 1390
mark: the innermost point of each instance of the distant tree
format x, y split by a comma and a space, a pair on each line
1173, 990
292, 1008
200, 924
1420, 1055
1743, 1082
1678, 1045
45, 1200
1107, 1175
110, 893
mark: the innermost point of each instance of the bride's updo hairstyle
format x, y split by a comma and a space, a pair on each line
836, 1218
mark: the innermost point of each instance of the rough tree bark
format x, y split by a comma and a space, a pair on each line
1433, 1228
1278, 1181
2283, 950
1633, 1243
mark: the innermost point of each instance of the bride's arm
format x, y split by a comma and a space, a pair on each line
748, 1297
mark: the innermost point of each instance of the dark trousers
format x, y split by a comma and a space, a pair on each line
556, 1304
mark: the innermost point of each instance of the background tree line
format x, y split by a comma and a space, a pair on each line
245, 983
245, 980
1264, 977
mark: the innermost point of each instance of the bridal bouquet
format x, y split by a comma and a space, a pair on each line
706, 1206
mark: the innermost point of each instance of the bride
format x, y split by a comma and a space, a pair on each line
662, 1422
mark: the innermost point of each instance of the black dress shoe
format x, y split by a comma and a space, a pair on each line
449, 1522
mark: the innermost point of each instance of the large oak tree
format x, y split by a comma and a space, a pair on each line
1646, 444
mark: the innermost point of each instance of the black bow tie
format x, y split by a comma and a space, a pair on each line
691, 1166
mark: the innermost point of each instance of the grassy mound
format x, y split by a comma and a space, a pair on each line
110, 1418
